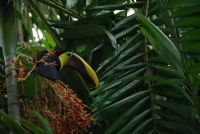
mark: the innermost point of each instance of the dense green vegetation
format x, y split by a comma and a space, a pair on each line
145, 53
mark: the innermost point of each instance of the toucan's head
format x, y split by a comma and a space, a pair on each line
73, 60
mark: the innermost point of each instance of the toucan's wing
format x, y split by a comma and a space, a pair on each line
48, 71
41, 54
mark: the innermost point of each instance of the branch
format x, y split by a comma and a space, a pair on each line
64, 10
48, 27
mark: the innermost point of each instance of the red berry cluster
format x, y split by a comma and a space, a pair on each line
22, 71
65, 112
74, 115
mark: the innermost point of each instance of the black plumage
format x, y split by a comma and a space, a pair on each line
47, 65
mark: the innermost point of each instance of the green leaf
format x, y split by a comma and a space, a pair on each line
126, 117
83, 31
88, 30
34, 128
113, 57
192, 35
134, 122
192, 21
165, 71
182, 3
192, 47
185, 11
124, 58
178, 108
117, 95
51, 43
183, 129
151, 131
169, 93
106, 87
112, 39
11, 124
122, 103
44, 124
175, 83
160, 42
166, 115
31, 85
143, 127
129, 67
80, 6
123, 22
117, 7
126, 31
110, 70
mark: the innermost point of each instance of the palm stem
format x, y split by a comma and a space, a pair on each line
152, 96
8, 41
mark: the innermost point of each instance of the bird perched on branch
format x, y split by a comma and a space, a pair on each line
49, 63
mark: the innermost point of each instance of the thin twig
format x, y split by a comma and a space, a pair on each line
28, 74
61, 8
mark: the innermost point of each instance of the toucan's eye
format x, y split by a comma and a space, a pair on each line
69, 54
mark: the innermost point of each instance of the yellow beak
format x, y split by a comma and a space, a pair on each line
76, 62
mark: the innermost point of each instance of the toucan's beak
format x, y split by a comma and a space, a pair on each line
83, 68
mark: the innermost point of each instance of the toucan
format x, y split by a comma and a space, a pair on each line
49, 63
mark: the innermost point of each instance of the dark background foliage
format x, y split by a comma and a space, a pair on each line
147, 61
